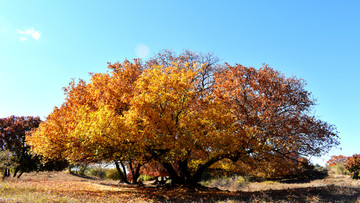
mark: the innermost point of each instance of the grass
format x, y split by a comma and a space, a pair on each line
64, 187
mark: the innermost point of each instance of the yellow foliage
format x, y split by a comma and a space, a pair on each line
184, 113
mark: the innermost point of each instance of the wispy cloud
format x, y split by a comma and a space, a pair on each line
33, 33
23, 39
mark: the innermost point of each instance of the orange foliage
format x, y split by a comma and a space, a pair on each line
184, 111
352, 164
336, 159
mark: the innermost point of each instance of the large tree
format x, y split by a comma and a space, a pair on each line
185, 112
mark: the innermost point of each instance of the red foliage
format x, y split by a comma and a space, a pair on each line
154, 169
352, 164
13, 130
336, 159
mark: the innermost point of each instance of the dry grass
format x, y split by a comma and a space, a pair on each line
63, 187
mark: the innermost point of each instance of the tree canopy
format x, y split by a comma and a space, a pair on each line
185, 112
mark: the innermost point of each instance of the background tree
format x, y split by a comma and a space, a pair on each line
336, 164
185, 112
352, 164
336, 159
12, 140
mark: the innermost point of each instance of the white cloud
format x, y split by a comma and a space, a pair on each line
33, 33
22, 39
142, 50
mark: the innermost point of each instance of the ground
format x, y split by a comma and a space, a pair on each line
64, 187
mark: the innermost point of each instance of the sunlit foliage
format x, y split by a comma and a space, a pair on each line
352, 164
336, 159
185, 112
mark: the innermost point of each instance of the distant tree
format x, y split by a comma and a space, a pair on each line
336, 160
352, 164
185, 112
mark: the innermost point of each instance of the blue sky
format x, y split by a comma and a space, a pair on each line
43, 44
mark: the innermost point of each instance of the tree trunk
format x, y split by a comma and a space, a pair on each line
196, 178
193, 179
137, 173
121, 173
184, 170
16, 171
175, 178
82, 169
132, 171
356, 175
20, 174
69, 169
7, 172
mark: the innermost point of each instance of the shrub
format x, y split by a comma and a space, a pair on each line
233, 182
98, 172
144, 177
340, 169
337, 169
112, 174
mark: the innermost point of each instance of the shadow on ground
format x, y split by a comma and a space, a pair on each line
83, 176
314, 175
329, 193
